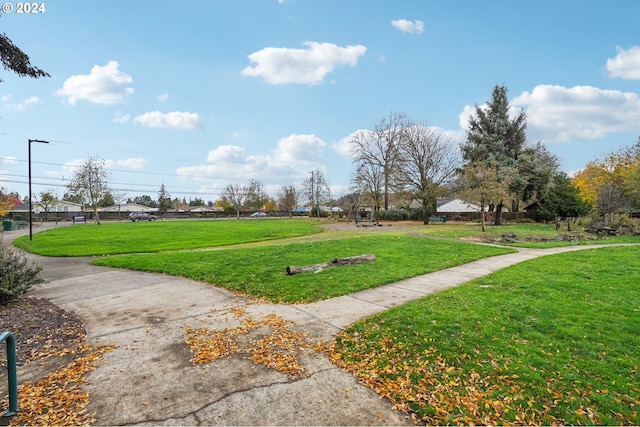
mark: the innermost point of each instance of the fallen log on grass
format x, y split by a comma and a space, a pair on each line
358, 259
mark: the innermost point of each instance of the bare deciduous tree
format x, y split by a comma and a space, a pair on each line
369, 181
257, 196
316, 190
119, 197
429, 162
377, 150
90, 183
236, 195
288, 198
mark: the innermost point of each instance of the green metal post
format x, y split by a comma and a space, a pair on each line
12, 375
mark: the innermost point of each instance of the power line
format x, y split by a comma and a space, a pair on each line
128, 190
110, 182
11, 159
55, 142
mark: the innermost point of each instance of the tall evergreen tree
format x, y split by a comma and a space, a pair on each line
164, 199
562, 201
493, 136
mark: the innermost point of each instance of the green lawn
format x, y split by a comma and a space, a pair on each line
260, 271
136, 237
555, 340
528, 235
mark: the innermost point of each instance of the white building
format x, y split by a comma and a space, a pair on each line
129, 207
457, 206
58, 206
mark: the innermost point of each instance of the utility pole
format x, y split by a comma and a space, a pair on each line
30, 204
313, 194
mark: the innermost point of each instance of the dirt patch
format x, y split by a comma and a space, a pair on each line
372, 227
40, 327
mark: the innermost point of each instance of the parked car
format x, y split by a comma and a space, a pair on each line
258, 215
141, 216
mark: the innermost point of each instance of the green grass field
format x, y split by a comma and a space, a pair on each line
528, 235
551, 341
260, 271
555, 340
136, 237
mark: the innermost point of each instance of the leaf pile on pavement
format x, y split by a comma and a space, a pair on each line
58, 398
276, 347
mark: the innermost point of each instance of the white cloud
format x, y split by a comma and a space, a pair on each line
163, 96
293, 157
32, 100
626, 64
173, 120
410, 27
227, 164
573, 173
343, 147
230, 154
557, 113
299, 149
71, 165
134, 163
8, 160
120, 117
238, 134
301, 66
22, 105
104, 85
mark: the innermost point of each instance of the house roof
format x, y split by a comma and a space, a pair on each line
128, 207
201, 209
22, 207
445, 205
456, 205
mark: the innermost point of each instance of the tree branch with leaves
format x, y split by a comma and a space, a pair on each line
14, 59
483, 183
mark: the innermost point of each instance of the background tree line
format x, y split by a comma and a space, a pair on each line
402, 160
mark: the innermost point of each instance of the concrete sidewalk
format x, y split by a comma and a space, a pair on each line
149, 379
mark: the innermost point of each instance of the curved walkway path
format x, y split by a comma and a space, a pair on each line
149, 379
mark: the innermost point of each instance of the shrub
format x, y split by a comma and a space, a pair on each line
586, 221
393, 215
17, 274
525, 221
415, 214
623, 222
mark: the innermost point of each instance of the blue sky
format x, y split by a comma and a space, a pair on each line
200, 94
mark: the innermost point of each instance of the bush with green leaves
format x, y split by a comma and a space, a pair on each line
525, 221
393, 215
17, 274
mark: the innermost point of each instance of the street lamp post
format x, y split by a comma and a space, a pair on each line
30, 205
